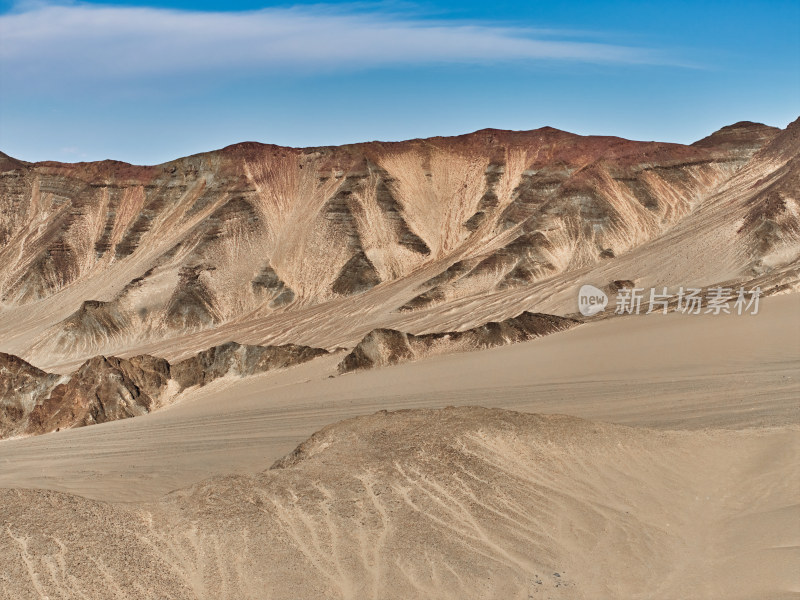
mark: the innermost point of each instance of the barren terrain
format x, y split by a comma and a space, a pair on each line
360, 372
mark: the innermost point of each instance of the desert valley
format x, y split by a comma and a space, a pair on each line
363, 371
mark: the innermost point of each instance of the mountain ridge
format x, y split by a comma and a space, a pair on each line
485, 131
271, 245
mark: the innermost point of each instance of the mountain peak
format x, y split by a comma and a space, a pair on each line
746, 134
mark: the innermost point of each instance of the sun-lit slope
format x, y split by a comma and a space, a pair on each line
568, 210
108, 257
455, 503
745, 231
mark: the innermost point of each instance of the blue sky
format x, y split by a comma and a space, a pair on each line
149, 82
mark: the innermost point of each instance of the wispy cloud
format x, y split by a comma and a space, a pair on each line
46, 42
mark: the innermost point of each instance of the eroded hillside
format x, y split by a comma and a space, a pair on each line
318, 246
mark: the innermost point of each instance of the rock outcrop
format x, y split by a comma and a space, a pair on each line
382, 347
106, 389
21, 385
241, 360
110, 388
102, 389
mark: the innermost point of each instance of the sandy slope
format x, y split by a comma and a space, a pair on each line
460, 503
701, 502
664, 371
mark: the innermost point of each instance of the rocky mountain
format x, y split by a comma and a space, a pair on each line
103, 389
106, 389
395, 251
109, 388
236, 359
21, 386
318, 246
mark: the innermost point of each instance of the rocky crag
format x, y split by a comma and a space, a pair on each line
106, 389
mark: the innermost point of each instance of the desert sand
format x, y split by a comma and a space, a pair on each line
677, 476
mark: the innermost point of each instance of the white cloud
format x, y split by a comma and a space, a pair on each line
45, 42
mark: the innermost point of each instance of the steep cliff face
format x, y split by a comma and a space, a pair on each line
113, 256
